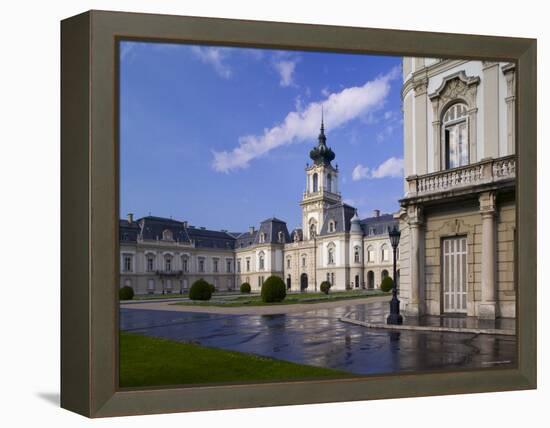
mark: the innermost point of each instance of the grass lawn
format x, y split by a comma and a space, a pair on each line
291, 299
150, 361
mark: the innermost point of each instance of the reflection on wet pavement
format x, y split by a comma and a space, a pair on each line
317, 338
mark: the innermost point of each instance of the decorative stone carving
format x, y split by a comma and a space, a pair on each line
454, 87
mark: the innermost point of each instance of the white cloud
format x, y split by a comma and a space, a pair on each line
298, 126
285, 68
391, 167
325, 92
214, 57
360, 172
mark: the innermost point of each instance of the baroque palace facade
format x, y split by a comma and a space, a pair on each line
161, 255
458, 214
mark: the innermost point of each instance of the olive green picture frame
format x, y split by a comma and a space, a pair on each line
89, 211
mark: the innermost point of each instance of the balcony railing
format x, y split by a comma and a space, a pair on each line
484, 172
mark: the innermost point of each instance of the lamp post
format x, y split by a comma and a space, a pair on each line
394, 317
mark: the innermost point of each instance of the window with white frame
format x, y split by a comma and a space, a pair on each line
385, 253
262, 238
248, 265
288, 262
168, 263
167, 235
312, 230
228, 266
185, 264
371, 254
261, 261
201, 265
455, 129
150, 263
215, 265
315, 182
281, 237
356, 255
331, 226
239, 265
127, 263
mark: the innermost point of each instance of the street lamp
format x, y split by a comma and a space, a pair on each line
394, 317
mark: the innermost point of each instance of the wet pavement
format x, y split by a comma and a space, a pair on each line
317, 338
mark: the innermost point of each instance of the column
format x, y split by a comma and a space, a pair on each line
509, 71
487, 307
416, 303
421, 125
490, 109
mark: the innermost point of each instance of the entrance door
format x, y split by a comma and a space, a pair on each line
303, 281
455, 286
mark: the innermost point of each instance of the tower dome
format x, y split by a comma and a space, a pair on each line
322, 154
355, 224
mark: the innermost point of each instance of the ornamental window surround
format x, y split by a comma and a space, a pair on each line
455, 136
201, 265
185, 263
150, 263
127, 263
167, 235
385, 253
228, 266
371, 254
315, 183
168, 264
262, 238
215, 265
281, 236
332, 226
261, 261
356, 255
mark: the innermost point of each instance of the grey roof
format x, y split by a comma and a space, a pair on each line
270, 228
341, 213
153, 227
378, 225
128, 232
204, 238
300, 233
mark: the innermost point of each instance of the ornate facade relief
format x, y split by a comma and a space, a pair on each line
453, 88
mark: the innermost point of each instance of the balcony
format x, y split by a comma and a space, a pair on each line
486, 172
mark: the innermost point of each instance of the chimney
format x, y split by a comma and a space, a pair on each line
251, 230
376, 213
130, 217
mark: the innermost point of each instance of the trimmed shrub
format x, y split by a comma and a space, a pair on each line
387, 284
273, 290
245, 287
325, 287
126, 293
200, 290
212, 288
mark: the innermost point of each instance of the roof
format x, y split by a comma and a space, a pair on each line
341, 214
378, 225
270, 228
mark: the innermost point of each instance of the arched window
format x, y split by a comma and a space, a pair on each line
331, 226
315, 182
371, 254
168, 263
304, 261
385, 253
262, 238
329, 182
261, 260
167, 235
281, 236
356, 255
185, 263
455, 129
150, 263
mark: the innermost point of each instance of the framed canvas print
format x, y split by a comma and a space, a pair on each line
261, 214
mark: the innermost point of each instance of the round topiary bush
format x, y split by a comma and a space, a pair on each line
126, 293
212, 288
273, 290
387, 284
200, 290
325, 287
245, 287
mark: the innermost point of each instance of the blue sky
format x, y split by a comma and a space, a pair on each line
220, 136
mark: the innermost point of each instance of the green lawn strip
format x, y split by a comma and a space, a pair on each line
150, 361
291, 299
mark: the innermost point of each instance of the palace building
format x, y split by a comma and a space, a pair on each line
161, 255
458, 214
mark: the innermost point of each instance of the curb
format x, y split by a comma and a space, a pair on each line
493, 331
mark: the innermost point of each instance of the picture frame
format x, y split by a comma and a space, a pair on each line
89, 211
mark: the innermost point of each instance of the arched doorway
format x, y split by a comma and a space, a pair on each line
370, 279
356, 281
303, 281
384, 274
288, 283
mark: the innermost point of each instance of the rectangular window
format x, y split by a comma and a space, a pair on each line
127, 263
168, 265
201, 265
215, 265
239, 266
248, 265
228, 266
185, 265
288, 263
150, 264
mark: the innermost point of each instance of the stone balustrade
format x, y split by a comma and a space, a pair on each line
484, 172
